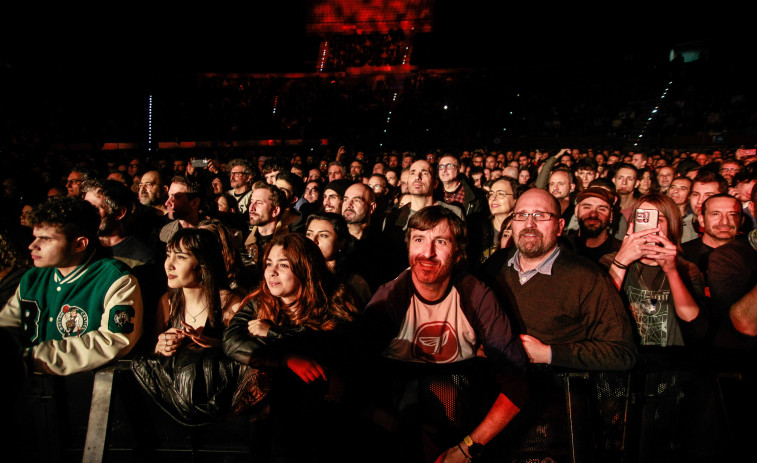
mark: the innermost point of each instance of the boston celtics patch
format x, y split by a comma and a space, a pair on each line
72, 321
120, 319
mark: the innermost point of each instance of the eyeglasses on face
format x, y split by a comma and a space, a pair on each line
447, 166
538, 216
499, 194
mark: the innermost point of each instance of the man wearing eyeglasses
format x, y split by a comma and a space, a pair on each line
239, 177
455, 189
75, 179
570, 313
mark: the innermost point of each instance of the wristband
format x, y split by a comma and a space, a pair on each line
474, 449
467, 457
619, 265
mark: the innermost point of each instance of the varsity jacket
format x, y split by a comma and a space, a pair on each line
75, 323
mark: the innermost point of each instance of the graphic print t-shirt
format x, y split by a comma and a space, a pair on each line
435, 332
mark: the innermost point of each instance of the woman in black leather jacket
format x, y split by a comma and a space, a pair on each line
187, 375
288, 327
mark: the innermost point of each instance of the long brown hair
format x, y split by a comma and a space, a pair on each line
204, 246
670, 210
321, 304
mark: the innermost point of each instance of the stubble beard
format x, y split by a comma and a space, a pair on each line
533, 247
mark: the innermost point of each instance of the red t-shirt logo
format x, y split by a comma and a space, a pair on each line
435, 342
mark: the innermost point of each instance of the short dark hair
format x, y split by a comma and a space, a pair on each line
623, 165
603, 182
193, 186
430, 216
586, 163
298, 187
72, 216
710, 176
722, 195
275, 164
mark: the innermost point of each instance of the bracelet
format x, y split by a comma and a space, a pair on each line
467, 457
619, 265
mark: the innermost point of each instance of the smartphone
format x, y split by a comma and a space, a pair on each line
645, 219
200, 163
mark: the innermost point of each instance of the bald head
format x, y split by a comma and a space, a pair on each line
510, 171
541, 198
535, 239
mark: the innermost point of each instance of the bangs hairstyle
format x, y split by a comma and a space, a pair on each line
430, 216
667, 208
321, 302
205, 247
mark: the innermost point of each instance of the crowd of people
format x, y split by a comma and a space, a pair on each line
333, 285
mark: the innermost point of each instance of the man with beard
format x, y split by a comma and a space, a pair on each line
594, 214
333, 195
431, 320
240, 174
152, 191
267, 206
421, 182
113, 201
371, 246
570, 313
357, 206
77, 176
182, 206
455, 189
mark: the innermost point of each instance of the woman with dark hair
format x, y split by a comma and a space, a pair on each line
329, 231
188, 376
664, 292
219, 183
485, 229
524, 176
199, 301
647, 182
282, 328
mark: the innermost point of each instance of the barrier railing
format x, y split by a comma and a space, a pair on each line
704, 413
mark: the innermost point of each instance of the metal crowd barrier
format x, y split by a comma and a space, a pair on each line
706, 413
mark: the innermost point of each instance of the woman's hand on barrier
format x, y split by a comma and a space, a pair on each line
307, 369
258, 327
169, 342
